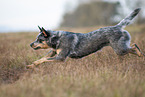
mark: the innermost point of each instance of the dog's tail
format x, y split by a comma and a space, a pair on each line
128, 19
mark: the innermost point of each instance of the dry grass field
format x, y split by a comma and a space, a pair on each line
102, 74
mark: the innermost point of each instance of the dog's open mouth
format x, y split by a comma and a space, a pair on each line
37, 48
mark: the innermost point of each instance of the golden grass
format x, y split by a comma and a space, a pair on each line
102, 74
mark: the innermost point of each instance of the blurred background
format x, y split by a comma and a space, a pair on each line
26, 15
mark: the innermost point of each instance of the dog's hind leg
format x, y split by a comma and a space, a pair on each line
122, 46
123, 49
136, 50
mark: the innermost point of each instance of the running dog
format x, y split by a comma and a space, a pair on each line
77, 45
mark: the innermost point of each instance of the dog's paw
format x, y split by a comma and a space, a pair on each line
32, 66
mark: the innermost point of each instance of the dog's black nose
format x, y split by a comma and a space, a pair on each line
31, 44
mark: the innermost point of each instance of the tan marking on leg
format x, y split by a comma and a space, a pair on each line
42, 60
30, 66
36, 63
135, 50
58, 51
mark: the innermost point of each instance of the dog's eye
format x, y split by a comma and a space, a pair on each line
40, 40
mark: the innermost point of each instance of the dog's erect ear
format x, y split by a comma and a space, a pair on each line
40, 28
46, 33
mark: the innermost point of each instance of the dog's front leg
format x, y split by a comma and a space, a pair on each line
52, 52
35, 63
60, 57
42, 60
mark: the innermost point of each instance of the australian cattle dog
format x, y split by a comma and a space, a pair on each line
77, 45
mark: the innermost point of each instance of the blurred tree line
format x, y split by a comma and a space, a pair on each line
97, 12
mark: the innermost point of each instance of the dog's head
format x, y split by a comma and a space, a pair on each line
46, 39
41, 40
